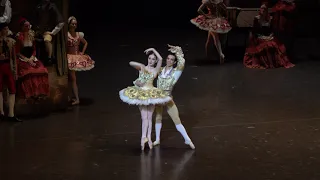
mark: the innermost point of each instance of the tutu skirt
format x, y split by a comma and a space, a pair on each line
214, 24
134, 95
80, 62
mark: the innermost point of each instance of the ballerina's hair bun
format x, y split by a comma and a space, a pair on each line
71, 19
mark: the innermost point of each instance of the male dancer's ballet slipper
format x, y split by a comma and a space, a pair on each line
189, 143
156, 143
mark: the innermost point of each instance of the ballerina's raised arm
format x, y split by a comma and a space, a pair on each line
203, 7
136, 65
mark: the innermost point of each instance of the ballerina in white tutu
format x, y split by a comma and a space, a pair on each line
144, 94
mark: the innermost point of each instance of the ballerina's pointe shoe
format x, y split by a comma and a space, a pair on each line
150, 144
75, 102
189, 143
143, 142
222, 58
156, 143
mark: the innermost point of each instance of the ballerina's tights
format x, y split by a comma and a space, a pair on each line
146, 116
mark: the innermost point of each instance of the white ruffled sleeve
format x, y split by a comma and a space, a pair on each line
81, 35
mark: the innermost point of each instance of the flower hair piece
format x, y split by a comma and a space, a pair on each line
71, 18
22, 20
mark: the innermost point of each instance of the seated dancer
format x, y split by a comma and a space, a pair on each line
49, 22
144, 94
214, 22
33, 78
167, 78
264, 50
8, 71
77, 60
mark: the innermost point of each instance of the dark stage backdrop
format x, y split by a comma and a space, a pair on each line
157, 13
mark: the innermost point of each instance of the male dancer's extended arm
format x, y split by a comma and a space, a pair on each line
59, 20
181, 62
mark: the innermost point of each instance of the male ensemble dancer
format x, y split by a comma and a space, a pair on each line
49, 23
167, 78
8, 72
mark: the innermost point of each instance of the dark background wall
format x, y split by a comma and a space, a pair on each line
156, 13
131, 15
152, 13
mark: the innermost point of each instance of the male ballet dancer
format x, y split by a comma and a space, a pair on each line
167, 78
49, 22
8, 72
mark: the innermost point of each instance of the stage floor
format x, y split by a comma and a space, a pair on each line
246, 124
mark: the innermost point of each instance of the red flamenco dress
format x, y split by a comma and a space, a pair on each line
264, 50
33, 80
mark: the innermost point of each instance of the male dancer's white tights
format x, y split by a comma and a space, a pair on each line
174, 114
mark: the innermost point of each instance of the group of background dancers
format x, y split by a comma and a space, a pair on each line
19, 60
271, 32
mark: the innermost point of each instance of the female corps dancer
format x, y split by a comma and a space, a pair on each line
167, 79
264, 50
214, 22
144, 94
77, 60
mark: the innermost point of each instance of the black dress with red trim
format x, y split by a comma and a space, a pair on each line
264, 50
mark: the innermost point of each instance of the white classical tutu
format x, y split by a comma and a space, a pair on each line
144, 96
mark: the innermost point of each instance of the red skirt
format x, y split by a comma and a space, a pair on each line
33, 81
266, 54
